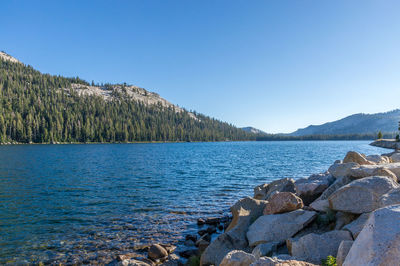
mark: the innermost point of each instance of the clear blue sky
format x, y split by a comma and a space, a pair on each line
274, 65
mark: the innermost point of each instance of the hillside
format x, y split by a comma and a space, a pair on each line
43, 108
355, 124
253, 130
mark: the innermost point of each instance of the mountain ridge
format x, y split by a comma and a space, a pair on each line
360, 123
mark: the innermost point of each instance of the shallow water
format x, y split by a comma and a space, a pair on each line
87, 203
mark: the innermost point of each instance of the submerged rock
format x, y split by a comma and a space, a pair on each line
379, 241
157, 252
281, 202
278, 227
314, 248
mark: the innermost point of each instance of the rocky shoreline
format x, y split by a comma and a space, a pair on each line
348, 215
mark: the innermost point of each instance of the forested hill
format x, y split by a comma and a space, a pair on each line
42, 108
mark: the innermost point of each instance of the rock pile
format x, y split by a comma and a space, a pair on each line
350, 212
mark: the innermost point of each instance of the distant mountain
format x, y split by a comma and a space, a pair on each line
44, 108
355, 124
253, 130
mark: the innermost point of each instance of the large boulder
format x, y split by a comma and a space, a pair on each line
343, 250
371, 170
244, 212
361, 195
265, 249
394, 168
238, 258
267, 261
395, 157
379, 241
314, 248
378, 159
322, 203
278, 227
341, 169
390, 198
312, 187
355, 157
263, 192
357, 225
281, 202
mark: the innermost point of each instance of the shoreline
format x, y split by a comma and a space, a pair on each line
309, 221
166, 142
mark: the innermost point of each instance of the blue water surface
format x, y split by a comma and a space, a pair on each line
87, 203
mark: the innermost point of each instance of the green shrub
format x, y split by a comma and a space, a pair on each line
194, 261
329, 261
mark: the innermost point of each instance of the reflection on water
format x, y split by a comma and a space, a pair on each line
86, 203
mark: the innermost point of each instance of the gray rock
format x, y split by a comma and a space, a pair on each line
395, 157
357, 225
278, 227
281, 202
238, 258
390, 198
343, 218
312, 187
322, 203
378, 159
267, 261
343, 250
379, 241
355, 157
372, 170
341, 169
263, 192
265, 249
244, 212
361, 195
314, 248
133, 262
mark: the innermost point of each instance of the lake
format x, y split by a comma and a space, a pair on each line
86, 203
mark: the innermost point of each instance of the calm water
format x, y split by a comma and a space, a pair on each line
86, 203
